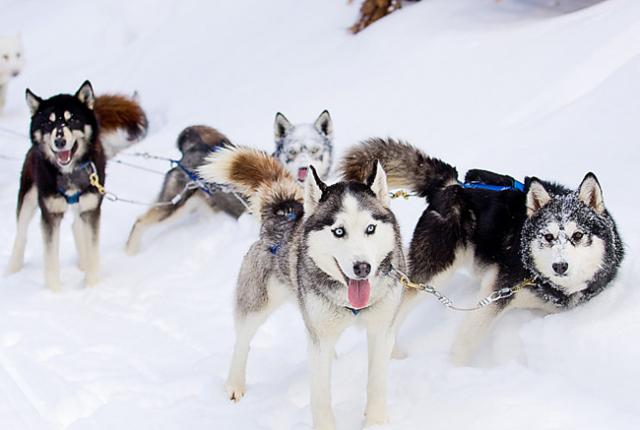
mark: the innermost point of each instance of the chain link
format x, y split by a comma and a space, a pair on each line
501, 294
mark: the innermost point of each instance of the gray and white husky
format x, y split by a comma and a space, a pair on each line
563, 243
330, 248
299, 145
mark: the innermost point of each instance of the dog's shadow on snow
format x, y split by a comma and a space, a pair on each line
555, 6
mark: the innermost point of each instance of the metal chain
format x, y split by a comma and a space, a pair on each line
501, 294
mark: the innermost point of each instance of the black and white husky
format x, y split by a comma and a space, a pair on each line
330, 248
176, 196
564, 242
299, 145
65, 151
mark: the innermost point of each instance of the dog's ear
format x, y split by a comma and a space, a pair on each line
33, 101
281, 126
324, 124
537, 196
590, 193
313, 190
377, 181
86, 95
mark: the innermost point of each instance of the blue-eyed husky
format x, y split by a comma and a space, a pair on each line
330, 248
563, 243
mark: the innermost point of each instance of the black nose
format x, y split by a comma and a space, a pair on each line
362, 269
60, 143
14, 74
560, 268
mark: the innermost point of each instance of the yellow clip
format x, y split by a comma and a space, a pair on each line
400, 193
526, 283
406, 282
95, 181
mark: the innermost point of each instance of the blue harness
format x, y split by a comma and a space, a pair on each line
75, 197
291, 216
516, 186
193, 176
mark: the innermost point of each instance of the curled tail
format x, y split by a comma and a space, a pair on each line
122, 122
406, 166
270, 187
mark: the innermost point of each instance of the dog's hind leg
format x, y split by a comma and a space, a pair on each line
27, 204
257, 298
156, 215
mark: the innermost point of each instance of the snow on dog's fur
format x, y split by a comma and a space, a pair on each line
330, 248
300, 145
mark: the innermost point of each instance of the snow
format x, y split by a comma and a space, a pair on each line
519, 86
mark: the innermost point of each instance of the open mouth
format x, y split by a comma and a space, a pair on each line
64, 156
302, 173
358, 290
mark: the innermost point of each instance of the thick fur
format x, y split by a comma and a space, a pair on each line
312, 249
300, 145
195, 143
11, 63
122, 122
564, 240
64, 124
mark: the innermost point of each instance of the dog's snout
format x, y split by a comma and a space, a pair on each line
560, 268
362, 269
60, 143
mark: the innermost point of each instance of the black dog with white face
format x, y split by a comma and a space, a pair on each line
557, 247
65, 152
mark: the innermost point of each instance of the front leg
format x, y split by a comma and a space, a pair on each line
321, 353
380, 343
89, 229
50, 224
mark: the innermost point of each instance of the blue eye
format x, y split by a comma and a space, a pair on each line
339, 232
371, 228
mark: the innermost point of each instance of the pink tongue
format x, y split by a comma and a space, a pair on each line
64, 156
359, 291
302, 174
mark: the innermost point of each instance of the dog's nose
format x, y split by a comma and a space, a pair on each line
362, 269
60, 143
14, 74
560, 268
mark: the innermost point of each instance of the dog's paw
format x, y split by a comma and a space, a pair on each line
13, 267
399, 353
91, 280
131, 249
375, 417
235, 392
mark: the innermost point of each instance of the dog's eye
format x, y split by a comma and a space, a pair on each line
338, 232
292, 152
18, 55
549, 237
314, 150
5, 57
577, 236
371, 228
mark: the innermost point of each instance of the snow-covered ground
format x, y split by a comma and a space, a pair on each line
542, 87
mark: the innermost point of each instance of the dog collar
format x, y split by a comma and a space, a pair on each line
355, 312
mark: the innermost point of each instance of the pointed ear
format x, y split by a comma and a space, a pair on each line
590, 193
324, 124
33, 101
377, 181
313, 190
85, 94
537, 196
281, 126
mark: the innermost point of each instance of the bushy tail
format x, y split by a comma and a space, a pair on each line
406, 166
256, 174
122, 122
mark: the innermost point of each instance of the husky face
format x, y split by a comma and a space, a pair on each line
63, 126
11, 60
298, 146
350, 233
566, 237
